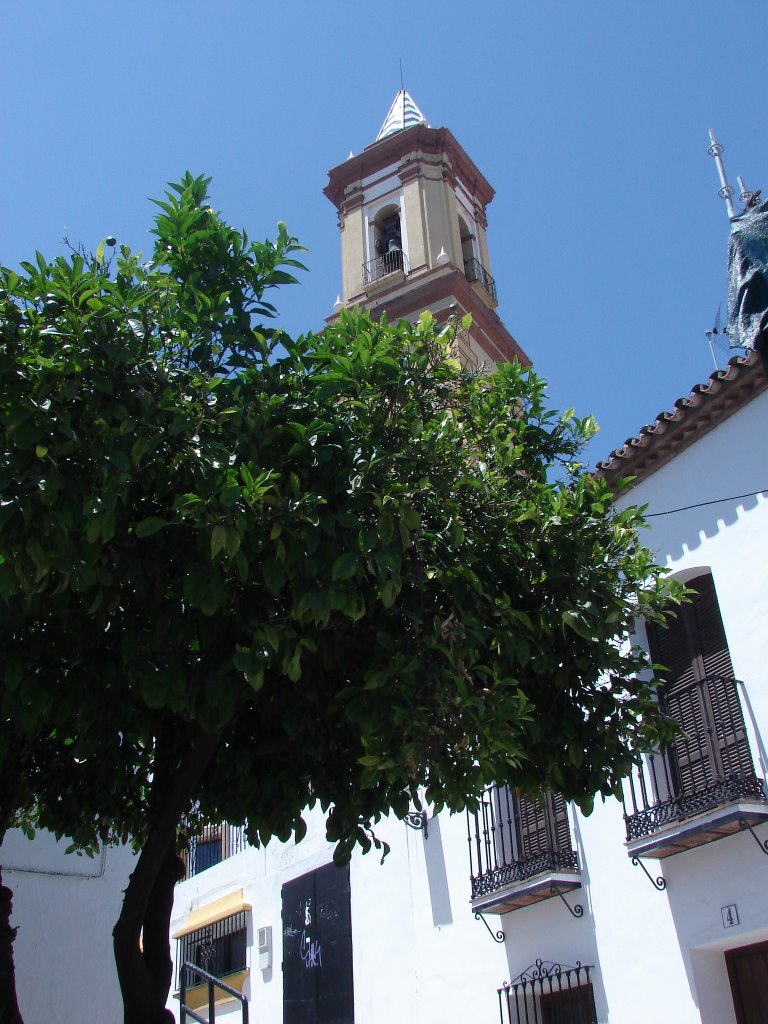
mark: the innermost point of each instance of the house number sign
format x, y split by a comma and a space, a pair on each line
730, 915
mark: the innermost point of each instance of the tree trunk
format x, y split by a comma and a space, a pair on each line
157, 922
144, 960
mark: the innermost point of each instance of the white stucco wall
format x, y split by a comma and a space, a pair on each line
65, 907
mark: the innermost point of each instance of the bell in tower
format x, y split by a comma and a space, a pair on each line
412, 214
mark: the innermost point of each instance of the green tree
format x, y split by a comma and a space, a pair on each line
275, 572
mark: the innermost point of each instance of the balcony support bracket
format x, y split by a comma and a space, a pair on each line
762, 844
659, 882
417, 820
576, 911
498, 937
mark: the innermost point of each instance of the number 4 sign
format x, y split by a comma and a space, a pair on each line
730, 915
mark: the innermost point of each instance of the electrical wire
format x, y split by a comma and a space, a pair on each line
701, 504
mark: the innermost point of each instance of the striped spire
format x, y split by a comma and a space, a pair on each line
402, 114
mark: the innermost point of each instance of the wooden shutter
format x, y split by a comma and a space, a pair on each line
700, 693
542, 825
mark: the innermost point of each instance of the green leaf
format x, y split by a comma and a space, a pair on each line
578, 624
218, 539
150, 525
386, 527
274, 575
344, 567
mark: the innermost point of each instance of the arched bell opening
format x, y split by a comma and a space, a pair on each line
388, 240
467, 243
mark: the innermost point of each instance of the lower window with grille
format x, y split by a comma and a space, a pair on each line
219, 949
549, 993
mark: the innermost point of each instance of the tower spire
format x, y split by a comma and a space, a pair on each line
402, 114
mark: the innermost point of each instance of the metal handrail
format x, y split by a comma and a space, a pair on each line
213, 984
475, 271
656, 794
387, 263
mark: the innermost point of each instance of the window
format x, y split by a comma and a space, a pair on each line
214, 844
699, 691
387, 237
219, 948
549, 993
574, 1006
708, 768
513, 839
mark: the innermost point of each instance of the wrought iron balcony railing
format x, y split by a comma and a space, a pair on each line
708, 767
388, 263
548, 993
476, 272
512, 839
214, 844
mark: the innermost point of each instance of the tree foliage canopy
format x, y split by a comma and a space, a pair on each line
242, 574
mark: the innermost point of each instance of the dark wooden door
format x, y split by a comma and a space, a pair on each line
748, 974
317, 948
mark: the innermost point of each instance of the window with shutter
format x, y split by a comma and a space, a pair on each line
700, 693
542, 825
514, 840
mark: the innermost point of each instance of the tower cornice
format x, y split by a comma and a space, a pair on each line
393, 148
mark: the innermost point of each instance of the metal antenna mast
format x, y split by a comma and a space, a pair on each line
725, 190
744, 194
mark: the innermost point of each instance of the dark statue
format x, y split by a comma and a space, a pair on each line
748, 278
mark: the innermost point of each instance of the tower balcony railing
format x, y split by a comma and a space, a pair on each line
703, 786
387, 263
474, 271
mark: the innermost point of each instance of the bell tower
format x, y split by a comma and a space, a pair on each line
412, 215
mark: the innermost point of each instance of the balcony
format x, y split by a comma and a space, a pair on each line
391, 262
476, 273
703, 786
214, 844
520, 851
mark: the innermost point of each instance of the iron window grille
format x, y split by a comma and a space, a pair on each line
548, 993
512, 838
219, 949
710, 763
214, 844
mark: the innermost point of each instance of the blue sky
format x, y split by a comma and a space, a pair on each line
589, 117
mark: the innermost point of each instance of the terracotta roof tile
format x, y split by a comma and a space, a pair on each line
706, 407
